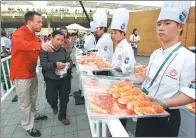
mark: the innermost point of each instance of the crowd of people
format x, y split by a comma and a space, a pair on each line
170, 72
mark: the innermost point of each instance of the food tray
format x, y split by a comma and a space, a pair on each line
103, 105
91, 66
87, 55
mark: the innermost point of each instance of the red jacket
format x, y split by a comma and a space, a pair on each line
25, 52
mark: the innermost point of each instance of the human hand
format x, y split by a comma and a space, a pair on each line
118, 69
46, 47
60, 65
67, 64
158, 101
67, 41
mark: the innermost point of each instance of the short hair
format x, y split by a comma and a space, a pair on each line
57, 32
63, 27
3, 33
74, 34
68, 35
29, 15
122, 32
135, 29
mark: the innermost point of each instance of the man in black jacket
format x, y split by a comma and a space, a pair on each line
57, 85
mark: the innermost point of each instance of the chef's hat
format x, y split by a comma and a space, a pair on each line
175, 10
100, 19
120, 19
92, 29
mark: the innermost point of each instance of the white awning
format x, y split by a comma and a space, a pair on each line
75, 26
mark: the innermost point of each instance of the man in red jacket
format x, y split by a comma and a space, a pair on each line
25, 51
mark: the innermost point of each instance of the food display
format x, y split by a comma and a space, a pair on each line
134, 100
140, 68
101, 64
86, 61
140, 71
101, 103
86, 55
94, 63
118, 99
191, 107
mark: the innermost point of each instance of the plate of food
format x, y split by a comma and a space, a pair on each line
122, 100
98, 64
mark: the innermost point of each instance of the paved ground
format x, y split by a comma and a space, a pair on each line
79, 127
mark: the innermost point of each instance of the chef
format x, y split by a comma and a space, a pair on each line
90, 42
170, 80
104, 44
123, 58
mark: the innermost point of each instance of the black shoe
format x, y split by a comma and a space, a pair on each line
15, 99
4, 87
41, 117
34, 132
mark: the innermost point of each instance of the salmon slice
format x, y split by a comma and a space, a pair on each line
144, 111
159, 109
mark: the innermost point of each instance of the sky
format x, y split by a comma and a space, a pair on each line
143, 3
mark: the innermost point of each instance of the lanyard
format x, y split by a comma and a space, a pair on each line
176, 49
161, 67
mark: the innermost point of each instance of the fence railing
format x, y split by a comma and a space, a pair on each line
5, 77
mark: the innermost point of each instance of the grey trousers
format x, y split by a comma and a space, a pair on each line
27, 91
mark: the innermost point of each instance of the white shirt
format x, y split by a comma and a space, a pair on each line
6, 42
123, 57
90, 43
2, 45
178, 74
135, 39
84, 37
105, 47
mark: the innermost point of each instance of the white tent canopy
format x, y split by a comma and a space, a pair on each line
75, 26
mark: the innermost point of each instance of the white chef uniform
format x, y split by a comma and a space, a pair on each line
105, 44
178, 74
90, 42
123, 56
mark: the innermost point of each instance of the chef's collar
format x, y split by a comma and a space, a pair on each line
170, 49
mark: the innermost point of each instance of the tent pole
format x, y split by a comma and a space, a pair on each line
84, 11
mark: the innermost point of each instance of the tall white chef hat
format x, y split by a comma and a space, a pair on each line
120, 19
175, 10
100, 19
92, 29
